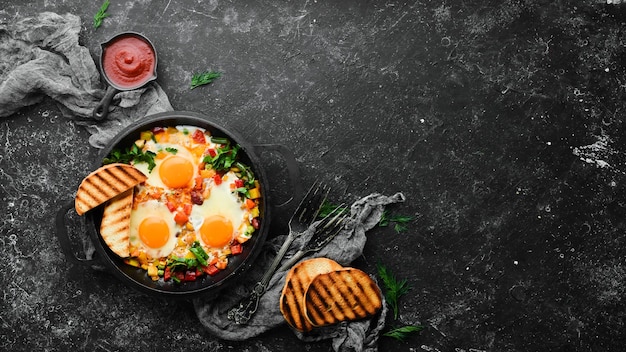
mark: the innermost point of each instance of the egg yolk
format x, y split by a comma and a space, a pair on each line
216, 231
154, 232
176, 171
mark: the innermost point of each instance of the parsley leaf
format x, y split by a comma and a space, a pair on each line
99, 17
328, 208
402, 332
394, 288
134, 154
400, 221
224, 158
203, 78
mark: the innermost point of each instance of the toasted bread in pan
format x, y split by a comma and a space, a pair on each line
105, 183
296, 283
115, 225
341, 295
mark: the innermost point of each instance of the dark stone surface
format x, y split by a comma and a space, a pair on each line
502, 122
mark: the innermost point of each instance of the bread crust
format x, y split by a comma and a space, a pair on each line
105, 183
296, 284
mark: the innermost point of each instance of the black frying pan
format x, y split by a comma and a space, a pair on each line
206, 285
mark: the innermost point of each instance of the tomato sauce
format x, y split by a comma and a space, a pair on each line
128, 61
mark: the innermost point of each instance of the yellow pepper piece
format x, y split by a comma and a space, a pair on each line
255, 193
153, 271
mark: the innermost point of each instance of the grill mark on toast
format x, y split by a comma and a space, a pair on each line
105, 183
321, 295
340, 295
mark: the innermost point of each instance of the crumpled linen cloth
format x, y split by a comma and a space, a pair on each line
358, 336
41, 57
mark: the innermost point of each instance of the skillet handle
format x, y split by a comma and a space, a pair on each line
292, 169
102, 109
64, 239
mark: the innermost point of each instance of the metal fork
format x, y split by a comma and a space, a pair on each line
303, 217
327, 229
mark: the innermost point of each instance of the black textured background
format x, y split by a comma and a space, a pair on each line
501, 122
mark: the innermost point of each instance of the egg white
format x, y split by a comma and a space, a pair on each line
154, 176
152, 208
222, 201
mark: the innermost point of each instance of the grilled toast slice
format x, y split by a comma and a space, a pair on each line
105, 183
115, 225
341, 295
296, 283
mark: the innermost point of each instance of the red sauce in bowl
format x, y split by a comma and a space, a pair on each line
128, 61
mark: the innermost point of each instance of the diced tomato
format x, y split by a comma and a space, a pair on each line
212, 153
156, 130
187, 208
198, 137
171, 206
179, 275
250, 203
198, 185
255, 223
236, 248
211, 270
199, 272
238, 183
190, 275
181, 218
217, 179
167, 274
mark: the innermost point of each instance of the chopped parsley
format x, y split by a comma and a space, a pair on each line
134, 154
400, 221
224, 157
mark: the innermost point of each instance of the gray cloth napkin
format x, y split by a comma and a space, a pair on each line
41, 57
365, 213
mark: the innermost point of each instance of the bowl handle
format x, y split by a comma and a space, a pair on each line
292, 169
64, 239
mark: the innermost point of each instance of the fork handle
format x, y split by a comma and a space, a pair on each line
242, 313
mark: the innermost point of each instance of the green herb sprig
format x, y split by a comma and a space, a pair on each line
134, 154
402, 333
400, 221
224, 158
328, 208
99, 17
394, 288
200, 79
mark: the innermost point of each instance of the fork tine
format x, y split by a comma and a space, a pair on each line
312, 202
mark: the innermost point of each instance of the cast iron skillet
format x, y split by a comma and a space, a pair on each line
237, 265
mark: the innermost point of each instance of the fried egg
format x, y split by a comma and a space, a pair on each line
153, 229
175, 166
221, 216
